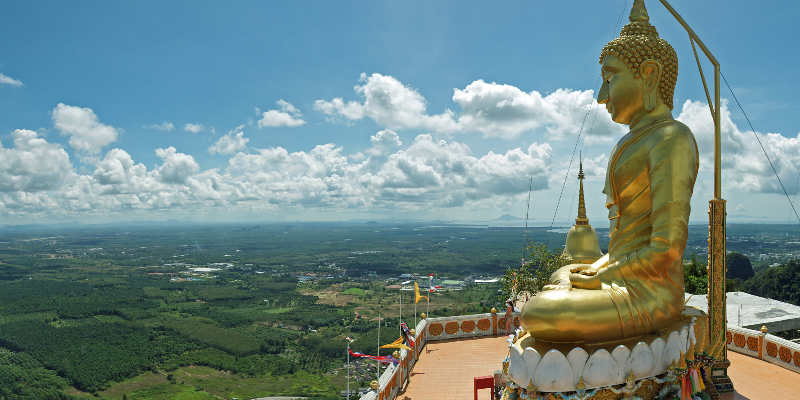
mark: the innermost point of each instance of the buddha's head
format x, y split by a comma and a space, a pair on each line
639, 69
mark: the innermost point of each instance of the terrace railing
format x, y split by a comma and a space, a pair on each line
756, 344
435, 329
764, 346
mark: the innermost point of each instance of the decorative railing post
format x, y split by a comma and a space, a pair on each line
494, 321
761, 342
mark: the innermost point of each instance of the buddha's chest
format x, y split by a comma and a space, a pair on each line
627, 186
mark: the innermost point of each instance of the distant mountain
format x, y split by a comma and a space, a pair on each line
384, 220
509, 217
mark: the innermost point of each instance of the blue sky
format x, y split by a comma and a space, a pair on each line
337, 110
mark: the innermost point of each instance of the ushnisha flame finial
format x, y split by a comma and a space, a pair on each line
639, 12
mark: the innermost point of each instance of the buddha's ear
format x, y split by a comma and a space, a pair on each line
650, 72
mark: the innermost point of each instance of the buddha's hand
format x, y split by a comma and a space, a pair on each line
585, 277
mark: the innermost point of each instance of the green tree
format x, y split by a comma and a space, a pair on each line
738, 266
781, 283
695, 276
534, 275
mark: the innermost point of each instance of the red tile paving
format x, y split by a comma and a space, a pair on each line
446, 371
755, 379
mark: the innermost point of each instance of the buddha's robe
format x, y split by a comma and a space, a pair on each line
649, 183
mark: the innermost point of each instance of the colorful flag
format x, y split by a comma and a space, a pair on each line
432, 288
407, 334
417, 296
381, 359
397, 344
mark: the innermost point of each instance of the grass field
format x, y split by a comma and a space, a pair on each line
277, 310
95, 320
354, 291
197, 382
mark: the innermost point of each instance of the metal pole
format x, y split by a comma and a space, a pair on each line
717, 138
379, 354
716, 228
348, 369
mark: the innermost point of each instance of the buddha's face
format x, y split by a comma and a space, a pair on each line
621, 91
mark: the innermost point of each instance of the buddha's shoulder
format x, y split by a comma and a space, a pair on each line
671, 131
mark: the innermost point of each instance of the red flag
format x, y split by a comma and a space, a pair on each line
407, 334
382, 359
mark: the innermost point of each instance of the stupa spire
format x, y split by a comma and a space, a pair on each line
582, 246
582, 219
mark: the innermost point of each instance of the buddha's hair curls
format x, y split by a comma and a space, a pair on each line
638, 41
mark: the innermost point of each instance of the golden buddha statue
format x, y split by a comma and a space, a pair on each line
637, 288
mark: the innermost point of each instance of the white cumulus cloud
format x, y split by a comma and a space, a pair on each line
194, 128
33, 164
164, 126
744, 165
229, 144
117, 168
389, 103
87, 134
489, 108
177, 167
6, 80
288, 115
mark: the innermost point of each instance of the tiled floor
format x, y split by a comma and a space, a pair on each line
754, 379
446, 370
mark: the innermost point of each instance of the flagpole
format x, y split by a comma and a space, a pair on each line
379, 354
430, 293
399, 324
348, 369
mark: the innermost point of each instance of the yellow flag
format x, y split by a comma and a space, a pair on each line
417, 296
397, 344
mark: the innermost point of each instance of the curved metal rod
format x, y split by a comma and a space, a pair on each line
717, 129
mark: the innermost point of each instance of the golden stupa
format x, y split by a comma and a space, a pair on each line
582, 245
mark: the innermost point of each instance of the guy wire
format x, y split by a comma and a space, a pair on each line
527, 210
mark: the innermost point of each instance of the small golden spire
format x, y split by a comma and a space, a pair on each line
690, 352
681, 362
639, 12
581, 220
582, 246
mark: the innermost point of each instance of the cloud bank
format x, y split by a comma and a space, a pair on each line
421, 173
489, 108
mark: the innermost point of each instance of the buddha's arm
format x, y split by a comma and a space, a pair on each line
672, 165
